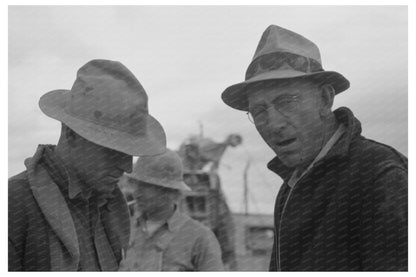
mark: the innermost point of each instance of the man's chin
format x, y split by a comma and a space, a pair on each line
290, 161
106, 190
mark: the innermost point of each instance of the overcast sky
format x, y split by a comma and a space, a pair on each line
186, 56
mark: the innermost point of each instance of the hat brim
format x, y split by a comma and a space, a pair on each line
169, 184
152, 142
235, 96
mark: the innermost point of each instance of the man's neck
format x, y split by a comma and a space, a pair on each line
61, 152
330, 127
162, 214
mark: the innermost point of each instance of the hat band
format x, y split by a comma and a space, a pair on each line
282, 60
138, 128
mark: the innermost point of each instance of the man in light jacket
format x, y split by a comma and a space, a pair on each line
163, 238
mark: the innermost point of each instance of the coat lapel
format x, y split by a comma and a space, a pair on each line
53, 207
116, 221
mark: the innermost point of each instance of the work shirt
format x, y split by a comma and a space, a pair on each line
180, 244
95, 250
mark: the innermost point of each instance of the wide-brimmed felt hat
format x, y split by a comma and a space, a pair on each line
164, 170
107, 105
282, 55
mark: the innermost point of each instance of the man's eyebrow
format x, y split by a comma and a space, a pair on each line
260, 104
283, 96
263, 103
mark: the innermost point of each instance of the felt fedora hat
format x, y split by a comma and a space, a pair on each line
107, 105
165, 170
282, 55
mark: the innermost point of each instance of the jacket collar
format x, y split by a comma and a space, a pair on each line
63, 177
176, 221
67, 181
55, 210
340, 149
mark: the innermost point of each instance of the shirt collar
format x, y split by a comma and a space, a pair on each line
75, 190
176, 221
296, 175
173, 223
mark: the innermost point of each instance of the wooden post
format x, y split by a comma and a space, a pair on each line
246, 207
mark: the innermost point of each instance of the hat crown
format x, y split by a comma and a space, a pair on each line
108, 94
281, 50
278, 39
163, 169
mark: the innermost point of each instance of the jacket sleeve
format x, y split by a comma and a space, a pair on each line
225, 233
16, 225
281, 196
207, 253
384, 218
273, 264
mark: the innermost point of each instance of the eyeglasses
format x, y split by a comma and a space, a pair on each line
285, 105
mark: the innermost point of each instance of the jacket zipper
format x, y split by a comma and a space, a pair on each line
307, 172
281, 217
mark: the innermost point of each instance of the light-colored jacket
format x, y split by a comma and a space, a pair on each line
181, 244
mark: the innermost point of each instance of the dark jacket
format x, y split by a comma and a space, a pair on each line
348, 213
40, 223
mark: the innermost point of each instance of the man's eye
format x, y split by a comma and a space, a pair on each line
258, 111
285, 103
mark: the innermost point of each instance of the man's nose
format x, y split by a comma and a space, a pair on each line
276, 120
126, 163
138, 194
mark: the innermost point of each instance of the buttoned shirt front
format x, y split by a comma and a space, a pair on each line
180, 244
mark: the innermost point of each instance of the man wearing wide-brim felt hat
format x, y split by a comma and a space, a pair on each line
66, 212
163, 238
343, 203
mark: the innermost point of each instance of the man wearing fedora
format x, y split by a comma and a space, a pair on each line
343, 203
66, 212
163, 238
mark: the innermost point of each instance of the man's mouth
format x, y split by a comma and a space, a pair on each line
110, 180
115, 176
286, 142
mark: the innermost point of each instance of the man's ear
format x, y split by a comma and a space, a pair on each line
69, 134
327, 99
